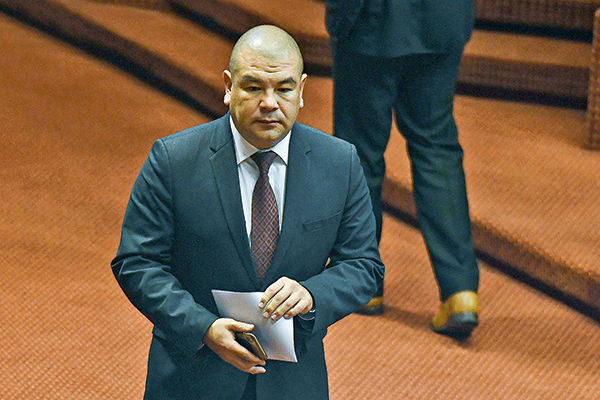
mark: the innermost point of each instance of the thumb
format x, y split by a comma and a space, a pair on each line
238, 326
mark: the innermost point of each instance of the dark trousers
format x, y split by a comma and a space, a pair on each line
419, 89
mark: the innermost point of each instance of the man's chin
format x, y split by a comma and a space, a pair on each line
268, 138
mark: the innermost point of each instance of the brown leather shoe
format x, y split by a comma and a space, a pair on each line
457, 316
373, 307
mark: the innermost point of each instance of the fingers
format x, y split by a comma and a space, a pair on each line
223, 330
237, 326
220, 338
257, 370
246, 361
285, 298
272, 290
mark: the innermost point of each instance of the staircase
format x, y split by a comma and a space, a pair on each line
500, 61
77, 130
526, 72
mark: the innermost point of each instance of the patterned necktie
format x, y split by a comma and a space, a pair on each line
265, 218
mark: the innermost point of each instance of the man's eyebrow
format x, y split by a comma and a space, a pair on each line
249, 79
288, 80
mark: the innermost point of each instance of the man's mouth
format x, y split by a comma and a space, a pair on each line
268, 121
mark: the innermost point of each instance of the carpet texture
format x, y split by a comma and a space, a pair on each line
75, 134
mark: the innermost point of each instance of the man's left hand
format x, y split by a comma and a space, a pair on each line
286, 298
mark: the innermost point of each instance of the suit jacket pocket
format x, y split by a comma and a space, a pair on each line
323, 222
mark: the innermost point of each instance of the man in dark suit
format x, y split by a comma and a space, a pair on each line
190, 227
402, 57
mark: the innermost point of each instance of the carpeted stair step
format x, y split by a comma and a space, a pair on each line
567, 15
518, 65
167, 50
519, 216
186, 68
533, 189
76, 134
530, 66
234, 17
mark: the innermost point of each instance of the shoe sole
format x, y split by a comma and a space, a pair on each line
459, 326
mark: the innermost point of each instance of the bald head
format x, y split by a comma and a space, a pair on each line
270, 43
264, 85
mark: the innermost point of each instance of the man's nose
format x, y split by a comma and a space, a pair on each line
269, 100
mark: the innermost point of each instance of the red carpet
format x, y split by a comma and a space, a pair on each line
75, 133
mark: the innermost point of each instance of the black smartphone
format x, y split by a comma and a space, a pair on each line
249, 341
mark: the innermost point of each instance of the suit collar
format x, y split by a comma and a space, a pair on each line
225, 173
221, 134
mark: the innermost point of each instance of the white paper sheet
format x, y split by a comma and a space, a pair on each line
277, 338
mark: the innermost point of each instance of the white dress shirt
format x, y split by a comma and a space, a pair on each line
248, 172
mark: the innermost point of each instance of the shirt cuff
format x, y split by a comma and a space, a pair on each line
309, 316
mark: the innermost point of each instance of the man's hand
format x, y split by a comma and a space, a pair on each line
220, 338
286, 298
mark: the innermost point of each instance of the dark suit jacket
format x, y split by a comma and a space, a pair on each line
394, 28
184, 234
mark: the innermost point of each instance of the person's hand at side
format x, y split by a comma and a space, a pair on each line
285, 298
220, 338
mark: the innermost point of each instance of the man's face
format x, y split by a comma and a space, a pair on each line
264, 96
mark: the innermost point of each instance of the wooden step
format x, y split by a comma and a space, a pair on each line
505, 61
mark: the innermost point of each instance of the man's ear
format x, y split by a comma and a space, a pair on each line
228, 82
302, 82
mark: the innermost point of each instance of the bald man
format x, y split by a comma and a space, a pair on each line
191, 226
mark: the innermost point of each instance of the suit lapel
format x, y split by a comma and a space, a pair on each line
297, 184
226, 177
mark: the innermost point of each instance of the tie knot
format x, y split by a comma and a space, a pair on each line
264, 160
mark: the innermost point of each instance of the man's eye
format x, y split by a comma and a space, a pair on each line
284, 90
253, 88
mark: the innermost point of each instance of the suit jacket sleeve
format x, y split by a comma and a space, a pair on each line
142, 265
355, 269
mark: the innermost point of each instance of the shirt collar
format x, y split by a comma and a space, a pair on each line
243, 149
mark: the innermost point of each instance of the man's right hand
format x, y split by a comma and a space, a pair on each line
220, 338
